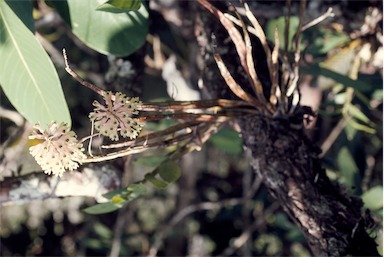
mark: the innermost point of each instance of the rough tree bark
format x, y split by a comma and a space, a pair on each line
288, 163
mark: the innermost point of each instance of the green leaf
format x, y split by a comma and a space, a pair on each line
358, 126
118, 6
169, 171
120, 191
102, 230
135, 190
280, 24
358, 114
373, 198
322, 40
119, 34
317, 70
227, 141
347, 167
27, 74
118, 198
102, 208
129, 193
156, 182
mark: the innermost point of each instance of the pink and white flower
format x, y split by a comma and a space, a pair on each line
57, 149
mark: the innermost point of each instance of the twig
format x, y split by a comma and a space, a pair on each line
244, 237
188, 105
179, 216
332, 137
124, 214
154, 135
139, 149
327, 14
79, 79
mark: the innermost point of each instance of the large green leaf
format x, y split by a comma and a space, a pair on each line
118, 34
27, 75
118, 6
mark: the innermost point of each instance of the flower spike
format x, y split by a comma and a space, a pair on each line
59, 149
116, 116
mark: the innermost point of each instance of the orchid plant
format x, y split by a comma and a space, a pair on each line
125, 116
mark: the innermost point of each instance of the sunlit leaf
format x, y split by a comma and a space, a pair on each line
120, 191
358, 114
373, 198
169, 171
117, 199
118, 6
27, 74
128, 193
358, 126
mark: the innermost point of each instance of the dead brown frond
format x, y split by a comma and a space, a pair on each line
283, 72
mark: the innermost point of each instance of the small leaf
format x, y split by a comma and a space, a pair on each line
110, 195
373, 198
156, 182
102, 230
129, 193
358, 114
358, 126
169, 171
27, 75
135, 190
117, 199
118, 6
102, 208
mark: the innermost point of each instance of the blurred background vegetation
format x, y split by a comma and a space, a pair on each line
218, 206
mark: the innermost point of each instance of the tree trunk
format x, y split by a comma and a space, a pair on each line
287, 161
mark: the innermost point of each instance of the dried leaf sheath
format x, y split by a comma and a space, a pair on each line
236, 89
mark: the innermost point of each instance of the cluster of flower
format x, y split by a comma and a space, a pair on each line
58, 149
